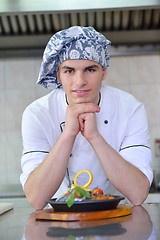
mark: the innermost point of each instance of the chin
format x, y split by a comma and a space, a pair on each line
78, 101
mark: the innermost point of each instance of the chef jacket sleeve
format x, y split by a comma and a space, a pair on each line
35, 144
135, 147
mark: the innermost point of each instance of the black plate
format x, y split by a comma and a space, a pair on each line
86, 206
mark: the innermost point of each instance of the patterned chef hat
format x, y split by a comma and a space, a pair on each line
73, 43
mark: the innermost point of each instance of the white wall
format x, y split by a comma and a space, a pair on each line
139, 75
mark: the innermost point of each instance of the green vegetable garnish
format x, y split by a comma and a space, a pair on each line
77, 192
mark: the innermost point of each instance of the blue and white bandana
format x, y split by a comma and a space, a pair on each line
73, 43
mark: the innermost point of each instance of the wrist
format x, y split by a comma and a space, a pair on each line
69, 134
94, 138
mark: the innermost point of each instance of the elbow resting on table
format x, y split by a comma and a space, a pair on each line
36, 202
138, 201
140, 196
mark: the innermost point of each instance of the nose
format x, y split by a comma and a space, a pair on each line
80, 79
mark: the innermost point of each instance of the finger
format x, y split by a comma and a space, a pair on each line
81, 108
89, 108
81, 122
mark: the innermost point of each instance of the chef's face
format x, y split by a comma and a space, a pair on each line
81, 80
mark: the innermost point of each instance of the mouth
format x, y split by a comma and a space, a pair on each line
81, 93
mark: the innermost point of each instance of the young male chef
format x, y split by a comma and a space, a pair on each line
83, 124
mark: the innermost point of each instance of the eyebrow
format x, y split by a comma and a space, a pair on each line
88, 67
67, 67
92, 66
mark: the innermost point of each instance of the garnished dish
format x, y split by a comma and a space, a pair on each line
82, 198
83, 193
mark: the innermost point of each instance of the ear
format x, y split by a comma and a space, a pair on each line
104, 73
58, 76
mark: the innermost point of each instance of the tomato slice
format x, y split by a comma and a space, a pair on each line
78, 195
98, 191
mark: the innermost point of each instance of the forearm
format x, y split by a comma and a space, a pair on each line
44, 181
127, 179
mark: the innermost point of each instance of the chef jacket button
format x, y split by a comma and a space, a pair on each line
105, 121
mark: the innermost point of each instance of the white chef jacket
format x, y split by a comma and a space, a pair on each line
121, 121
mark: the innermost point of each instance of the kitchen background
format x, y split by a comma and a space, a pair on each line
138, 74
134, 67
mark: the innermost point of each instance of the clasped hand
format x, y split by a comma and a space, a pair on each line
81, 118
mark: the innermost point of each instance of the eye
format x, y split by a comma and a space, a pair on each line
90, 70
69, 71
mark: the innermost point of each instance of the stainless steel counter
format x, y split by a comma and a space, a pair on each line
143, 224
11, 191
